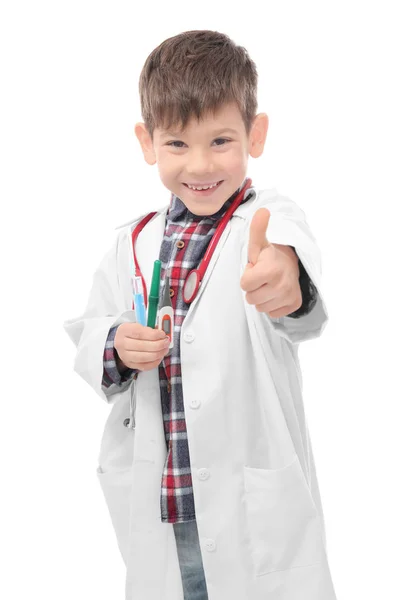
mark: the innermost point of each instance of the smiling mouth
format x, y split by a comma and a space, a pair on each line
214, 187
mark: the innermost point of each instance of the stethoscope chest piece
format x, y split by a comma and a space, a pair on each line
191, 286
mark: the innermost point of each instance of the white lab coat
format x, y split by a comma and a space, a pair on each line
258, 507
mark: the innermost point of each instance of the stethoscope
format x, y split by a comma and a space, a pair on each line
194, 278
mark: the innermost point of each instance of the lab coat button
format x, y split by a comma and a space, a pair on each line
203, 473
210, 545
189, 336
194, 403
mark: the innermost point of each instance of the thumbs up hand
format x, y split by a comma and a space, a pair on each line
271, 277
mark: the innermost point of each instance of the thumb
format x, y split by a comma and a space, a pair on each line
258, 234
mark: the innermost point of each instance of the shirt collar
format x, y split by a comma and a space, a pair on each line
178, 210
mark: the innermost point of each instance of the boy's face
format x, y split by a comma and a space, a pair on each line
206, 152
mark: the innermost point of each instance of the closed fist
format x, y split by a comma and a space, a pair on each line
140, 347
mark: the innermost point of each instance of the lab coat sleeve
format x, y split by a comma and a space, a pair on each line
288, 226
111, 373
89, 331
308, 292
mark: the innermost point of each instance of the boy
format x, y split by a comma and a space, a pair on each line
220, 448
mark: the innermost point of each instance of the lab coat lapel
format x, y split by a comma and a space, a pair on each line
241, 213
210, 268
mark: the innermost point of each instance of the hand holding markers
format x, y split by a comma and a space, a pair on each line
140, 347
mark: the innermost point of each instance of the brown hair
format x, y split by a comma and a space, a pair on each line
194, 73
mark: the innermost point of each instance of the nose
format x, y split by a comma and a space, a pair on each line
199, 164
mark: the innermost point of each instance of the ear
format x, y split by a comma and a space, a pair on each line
258, 135
146, 144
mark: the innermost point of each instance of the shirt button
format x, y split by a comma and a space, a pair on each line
203, 474
171, 292
180, 244
169, 387
210, 544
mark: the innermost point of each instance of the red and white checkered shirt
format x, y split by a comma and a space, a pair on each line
177, 500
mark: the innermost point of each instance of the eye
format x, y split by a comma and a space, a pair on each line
179, 142
172, 144
222, 140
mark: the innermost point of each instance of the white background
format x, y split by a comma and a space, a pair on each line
72, 170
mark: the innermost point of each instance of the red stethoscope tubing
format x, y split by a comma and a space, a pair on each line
198, 273
138, 272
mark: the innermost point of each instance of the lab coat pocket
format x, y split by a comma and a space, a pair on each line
117, 489
283, 522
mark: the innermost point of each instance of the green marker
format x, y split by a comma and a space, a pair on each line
154, 294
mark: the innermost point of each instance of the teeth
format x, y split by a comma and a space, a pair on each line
204, 187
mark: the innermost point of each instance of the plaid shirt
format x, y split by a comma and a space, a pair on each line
177, 500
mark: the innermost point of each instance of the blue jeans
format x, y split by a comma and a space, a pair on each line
190, 561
